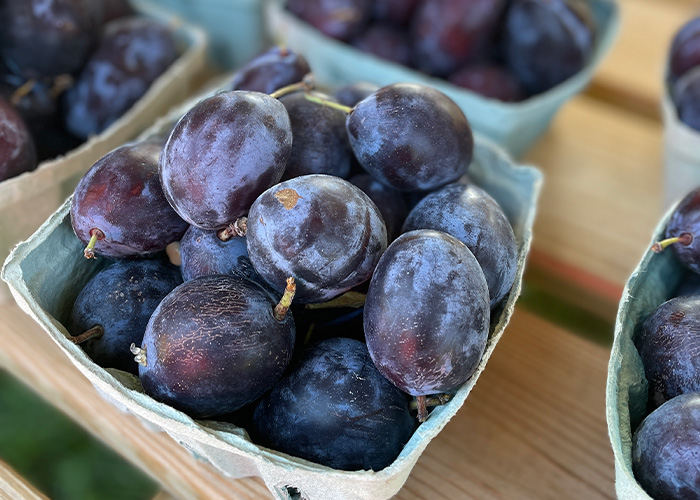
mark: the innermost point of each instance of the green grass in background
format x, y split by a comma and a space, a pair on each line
57, 456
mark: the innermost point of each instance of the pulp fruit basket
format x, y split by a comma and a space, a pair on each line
653, 282
27, 200
235, 27
513, 126
46, 273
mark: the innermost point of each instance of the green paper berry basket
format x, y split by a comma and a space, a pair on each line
653, 282
28, 199
46, 272
513, 126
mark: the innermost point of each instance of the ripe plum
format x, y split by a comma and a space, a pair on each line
685, 49
222, 154
427, 313
471, 215
203, 253
132, 53
667, 342
334, 408
411, 137
450, 33
683, 231
490, 80
48, 37
389, 201
215, 344
665, 449
685, 93
387, 42
319, 140
350, 95
341, 19
319, 229
547, 41
118, 207
114, 307
396, 12
17, 150
275, 68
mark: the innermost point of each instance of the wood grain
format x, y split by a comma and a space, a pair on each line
15, 487
533, 428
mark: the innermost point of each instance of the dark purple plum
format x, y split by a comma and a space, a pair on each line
666, 450
667, 342
684, 53
411, 137
114, 307
320, 142
471, 215
275, 68
426, 316
385, 41
397, 12
119, 208
114, 9
131, 54
17, 150
222, 154
389, 201
48, 37
349, 95
214, 345
341, 19
334, 408
203, 253
685, 93
489, 80
319, 229
683, 231
548, 41
450, 33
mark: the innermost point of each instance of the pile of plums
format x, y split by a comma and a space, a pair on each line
666, 445
683, 73
68, 69
502, 49
338, 268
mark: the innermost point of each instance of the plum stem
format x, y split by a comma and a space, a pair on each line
95, 235
684, 239
94, 332
139, 354
286, 300
60, 84
437, 400
421, 406
307, 83
22, 91
330, 104
238, 228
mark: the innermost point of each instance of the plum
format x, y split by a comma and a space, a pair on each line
682, 232
275, 68
17, 149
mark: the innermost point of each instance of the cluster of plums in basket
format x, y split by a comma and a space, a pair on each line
68, 70
317, 310
666, 445
683, 73
502, 49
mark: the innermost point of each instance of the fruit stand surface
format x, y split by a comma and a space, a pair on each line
534, 426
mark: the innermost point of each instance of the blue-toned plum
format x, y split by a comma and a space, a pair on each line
684, 54
411, 137
685, 93
132, 53
334, 408
548, 41
426, 316
113, 308
683, 231
216, 344
666, 449
222, 154
351, 94
119, 209
341, 19
667, 341
321, 230
389, 201
471, 215
320, 142
203, 253
275, 68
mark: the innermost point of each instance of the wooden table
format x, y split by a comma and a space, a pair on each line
534, 426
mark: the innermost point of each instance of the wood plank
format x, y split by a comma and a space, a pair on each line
601, 197
631, 75
534, 427
15, 487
